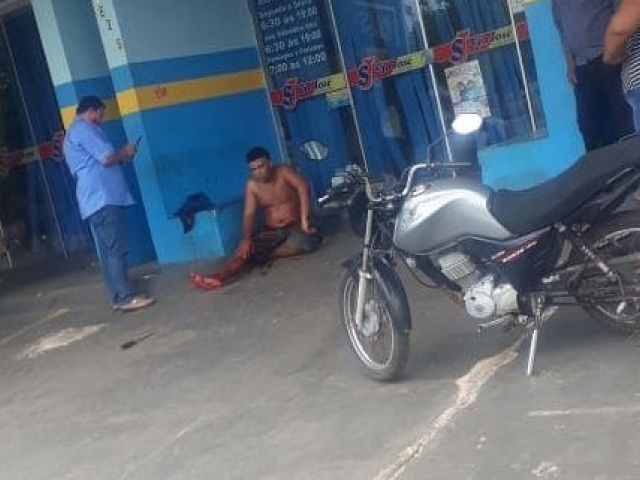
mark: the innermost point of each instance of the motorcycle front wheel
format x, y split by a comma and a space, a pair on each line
614, 304
380, 346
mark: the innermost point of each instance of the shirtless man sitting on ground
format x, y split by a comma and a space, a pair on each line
283, 194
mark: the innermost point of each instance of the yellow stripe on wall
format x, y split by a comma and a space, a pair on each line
156, 96
137, 100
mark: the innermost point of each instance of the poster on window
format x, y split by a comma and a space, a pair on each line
467, 89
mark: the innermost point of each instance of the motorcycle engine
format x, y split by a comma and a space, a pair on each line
483, 299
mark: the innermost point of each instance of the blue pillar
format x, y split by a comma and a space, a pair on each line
188, 80
78, 66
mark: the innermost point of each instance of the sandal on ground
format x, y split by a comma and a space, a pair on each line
136, 303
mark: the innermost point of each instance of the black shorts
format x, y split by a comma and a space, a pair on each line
266, 241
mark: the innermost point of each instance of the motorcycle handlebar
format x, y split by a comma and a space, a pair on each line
384, 198
343, 193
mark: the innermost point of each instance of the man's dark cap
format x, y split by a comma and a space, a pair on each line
90, 102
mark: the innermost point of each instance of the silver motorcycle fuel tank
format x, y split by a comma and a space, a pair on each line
436, 214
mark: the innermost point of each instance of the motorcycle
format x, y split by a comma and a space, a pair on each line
509, 258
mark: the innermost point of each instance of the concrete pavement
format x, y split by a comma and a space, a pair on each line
252, 382
578, 419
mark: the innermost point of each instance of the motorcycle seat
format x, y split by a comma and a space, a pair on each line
525, 211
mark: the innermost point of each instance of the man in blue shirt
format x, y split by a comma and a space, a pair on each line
603, 115
103, 195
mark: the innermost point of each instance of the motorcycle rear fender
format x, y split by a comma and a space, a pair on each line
390, 287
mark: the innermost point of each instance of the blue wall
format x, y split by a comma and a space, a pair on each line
200, 147
196, 141
522, 165
163, 29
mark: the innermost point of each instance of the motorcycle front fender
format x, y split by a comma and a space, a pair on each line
390, 285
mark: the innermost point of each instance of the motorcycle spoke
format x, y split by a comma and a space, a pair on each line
618, 301
375, 339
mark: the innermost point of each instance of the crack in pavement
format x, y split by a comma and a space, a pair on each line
609, 410
469, 387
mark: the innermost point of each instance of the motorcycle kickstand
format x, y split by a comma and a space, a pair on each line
537, 303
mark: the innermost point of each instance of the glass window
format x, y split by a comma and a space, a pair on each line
308, 92
481, 65
395, 105
38, 210
410, 65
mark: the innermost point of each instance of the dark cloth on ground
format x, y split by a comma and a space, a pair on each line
198, 202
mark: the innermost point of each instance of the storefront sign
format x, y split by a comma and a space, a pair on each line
45, 151
371, 69
465, 44
292, 37
295, 91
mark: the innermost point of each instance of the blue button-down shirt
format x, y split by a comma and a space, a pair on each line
582, 24
86, 147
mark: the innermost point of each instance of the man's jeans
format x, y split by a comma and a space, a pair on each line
109, 227
603, 115
633, 99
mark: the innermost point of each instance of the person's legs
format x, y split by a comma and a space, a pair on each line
633, 99
618, 111
588, 106
262, 244
109, 226
229, 269
265, 246
298, 243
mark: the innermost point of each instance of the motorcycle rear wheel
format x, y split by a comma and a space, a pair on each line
617, 237
380, 346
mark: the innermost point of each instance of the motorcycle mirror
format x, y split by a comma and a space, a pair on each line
315, 150
467, 123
